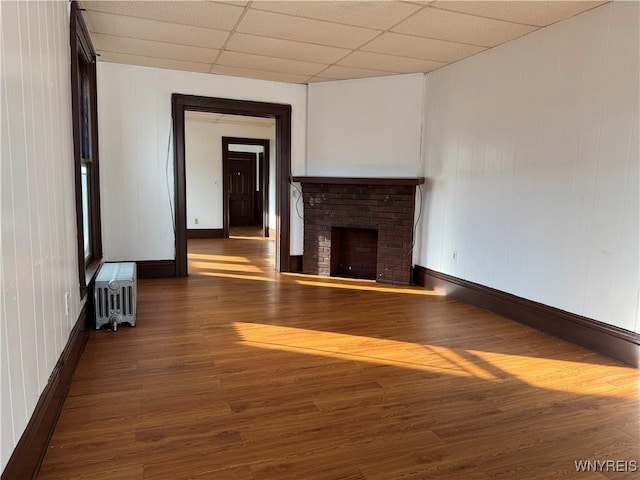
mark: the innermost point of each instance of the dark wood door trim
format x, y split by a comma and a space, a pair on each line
264, 176
227, 158
282, 114
263, 161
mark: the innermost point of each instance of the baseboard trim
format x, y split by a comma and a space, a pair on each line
32, 446
608, 340
156, 268
295, 264
205, 233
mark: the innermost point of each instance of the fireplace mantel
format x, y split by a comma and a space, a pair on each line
391, 181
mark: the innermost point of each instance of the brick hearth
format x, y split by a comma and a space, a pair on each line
387, 209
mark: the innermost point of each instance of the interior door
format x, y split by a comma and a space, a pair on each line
242, 187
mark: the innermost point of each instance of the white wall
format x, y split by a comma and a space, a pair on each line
39, 252
366, 127
532, 148
203, 148
134, 109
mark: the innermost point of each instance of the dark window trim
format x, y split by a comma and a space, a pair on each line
282, 114
82, 51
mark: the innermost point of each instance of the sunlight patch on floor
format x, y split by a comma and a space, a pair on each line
218, 258
551, 373
373, 287
243, 237
237, 276
229, 267
546, 373
360, 349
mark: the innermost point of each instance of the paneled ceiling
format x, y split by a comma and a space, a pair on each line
312, 41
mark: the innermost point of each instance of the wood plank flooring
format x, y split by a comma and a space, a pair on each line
241, 373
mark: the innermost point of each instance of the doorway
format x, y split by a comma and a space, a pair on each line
246, 172
282, 115
240, 179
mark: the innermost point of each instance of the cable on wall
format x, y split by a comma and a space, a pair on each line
298, 199
166, 171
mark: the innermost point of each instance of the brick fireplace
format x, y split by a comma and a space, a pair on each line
359, 227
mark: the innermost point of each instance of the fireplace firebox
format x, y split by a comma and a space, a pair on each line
354, 252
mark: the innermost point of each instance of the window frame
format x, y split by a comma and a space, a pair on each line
83, 68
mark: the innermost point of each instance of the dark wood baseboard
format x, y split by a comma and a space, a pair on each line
156, 268
153, 268
295, 264
205, 233
608, 340
32, 446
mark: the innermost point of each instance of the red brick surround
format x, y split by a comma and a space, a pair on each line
388, 209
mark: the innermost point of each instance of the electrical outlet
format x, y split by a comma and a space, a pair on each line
454, 256
196, 221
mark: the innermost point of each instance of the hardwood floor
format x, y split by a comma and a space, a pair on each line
241, 373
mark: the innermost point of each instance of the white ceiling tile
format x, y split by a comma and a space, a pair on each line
148, 48
378, 15
259, 74
459, 27
311, 41
391, 63
222, 16
275, 25
320, 79
135, 27
231, 2
526, 12
269, 64
337, 72
113, 57
424, 48
274, 47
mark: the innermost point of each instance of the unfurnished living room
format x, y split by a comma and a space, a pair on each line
320, 240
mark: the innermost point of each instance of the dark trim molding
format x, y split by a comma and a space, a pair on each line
156, 268
608, 340
205, 233
32, 446
296, 263
282, 113
361, 180
83, 56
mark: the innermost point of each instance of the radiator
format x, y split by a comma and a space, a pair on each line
115, 295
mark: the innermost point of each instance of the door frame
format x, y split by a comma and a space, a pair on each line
264, 184
282, 114
252, 159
